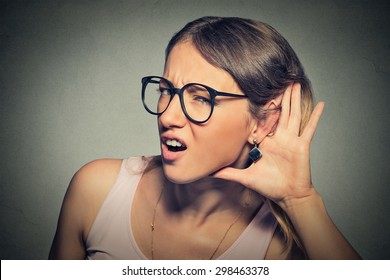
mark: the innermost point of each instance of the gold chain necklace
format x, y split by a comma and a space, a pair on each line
152, 226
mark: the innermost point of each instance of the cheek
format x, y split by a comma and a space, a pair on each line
224, 140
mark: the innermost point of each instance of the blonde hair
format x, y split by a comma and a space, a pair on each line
262, 63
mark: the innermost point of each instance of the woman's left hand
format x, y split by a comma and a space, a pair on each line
283, 172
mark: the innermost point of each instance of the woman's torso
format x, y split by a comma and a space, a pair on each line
116, 232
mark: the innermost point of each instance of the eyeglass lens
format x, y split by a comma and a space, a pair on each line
196, 99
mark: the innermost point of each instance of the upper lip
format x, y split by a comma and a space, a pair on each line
167, 136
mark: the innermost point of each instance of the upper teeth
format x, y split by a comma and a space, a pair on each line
173, 143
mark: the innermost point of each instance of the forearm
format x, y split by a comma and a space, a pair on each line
319, 235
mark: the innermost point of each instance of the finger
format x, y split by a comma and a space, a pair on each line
311, 126
295, 112
284, 115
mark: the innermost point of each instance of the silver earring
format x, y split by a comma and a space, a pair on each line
255, 153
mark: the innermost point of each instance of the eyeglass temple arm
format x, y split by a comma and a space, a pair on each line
218, 93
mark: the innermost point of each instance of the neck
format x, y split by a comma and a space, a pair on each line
203, 199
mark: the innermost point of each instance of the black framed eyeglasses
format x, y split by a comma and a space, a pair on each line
197, 101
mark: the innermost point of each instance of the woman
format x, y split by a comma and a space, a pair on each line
233, 180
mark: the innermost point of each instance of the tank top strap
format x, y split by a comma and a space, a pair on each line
110, 236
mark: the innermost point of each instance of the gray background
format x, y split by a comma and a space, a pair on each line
70, 93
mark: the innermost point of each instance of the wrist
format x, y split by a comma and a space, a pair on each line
311, 199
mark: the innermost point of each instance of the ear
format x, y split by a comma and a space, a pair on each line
267, 125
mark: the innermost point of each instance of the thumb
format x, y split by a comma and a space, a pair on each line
231, 174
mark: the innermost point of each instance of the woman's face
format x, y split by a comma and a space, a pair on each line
221, 141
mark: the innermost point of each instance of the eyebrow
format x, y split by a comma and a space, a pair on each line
220, 93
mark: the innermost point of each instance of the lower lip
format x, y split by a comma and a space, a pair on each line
167, 155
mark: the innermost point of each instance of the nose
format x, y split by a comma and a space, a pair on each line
173, 115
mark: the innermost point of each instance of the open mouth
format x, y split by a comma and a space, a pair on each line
174, 145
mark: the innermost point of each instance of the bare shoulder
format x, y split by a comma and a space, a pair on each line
83, 199
91, 185
96, 176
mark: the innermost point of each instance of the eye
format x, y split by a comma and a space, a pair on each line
202, 99
164, 91
198, 94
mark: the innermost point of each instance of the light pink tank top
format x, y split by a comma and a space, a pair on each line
111, 235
